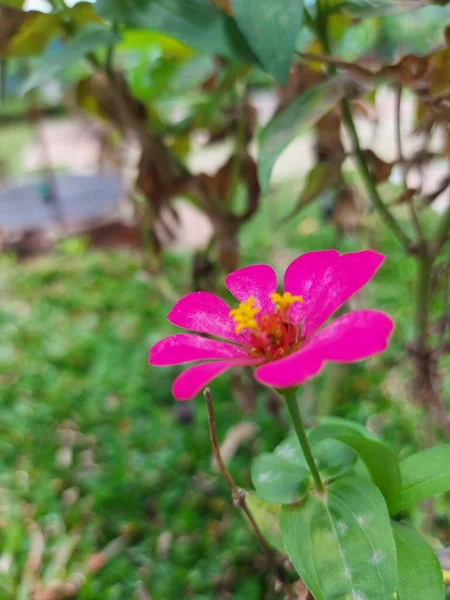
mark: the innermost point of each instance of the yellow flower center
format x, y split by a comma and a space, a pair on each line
284, 301
244, 315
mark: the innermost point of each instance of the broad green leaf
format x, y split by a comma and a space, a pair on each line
197, 23
295, 119
419, 571
266, 517
277, 480
271, 29
25, 33
341, 542
381, 463
55, 61
424, 474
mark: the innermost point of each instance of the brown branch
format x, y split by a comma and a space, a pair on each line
364, 74
238, 495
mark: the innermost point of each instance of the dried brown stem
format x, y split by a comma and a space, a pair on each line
238, 495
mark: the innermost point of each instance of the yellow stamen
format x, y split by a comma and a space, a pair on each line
244, 315
284, 301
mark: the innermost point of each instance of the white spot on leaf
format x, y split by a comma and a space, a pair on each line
377, 557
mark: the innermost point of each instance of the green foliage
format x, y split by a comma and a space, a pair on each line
419, 571
197, 23
271, 29
293, 120
381, 463
56, 60
75, 333
341, 542
424, 475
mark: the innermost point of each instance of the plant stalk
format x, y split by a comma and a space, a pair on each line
378, 203
290, 396
423, 285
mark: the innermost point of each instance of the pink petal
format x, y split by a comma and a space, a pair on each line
186, 347
258, 281
206, 313
326, 280
354, 336
189, 383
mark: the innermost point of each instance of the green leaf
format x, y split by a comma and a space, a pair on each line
277, 480
329, 427
359, 40
373, 8
420, 34
91, 37
12, 3
381, 463
271, 29
341, 542
197, 23
266, 517
295, 119
332, 457
419, 571
25, 33
424, 474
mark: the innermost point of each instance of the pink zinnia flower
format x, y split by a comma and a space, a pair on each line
279, 334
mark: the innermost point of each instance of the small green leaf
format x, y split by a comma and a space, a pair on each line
341, 542
332, 457
296, 118
266, 517
89, 38
277, 480
381, 463
197, 23
271, 29
424, 474
358, 40
419, 571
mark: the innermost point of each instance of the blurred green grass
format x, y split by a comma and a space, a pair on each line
91, 443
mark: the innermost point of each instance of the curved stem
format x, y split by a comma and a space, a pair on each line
378, 203
238, 495
291, 401
347, 117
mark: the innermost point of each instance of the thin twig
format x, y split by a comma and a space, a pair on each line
404, 169
238, 495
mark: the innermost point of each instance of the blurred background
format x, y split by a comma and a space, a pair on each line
127, 179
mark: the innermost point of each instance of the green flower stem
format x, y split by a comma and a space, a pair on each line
291, 401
